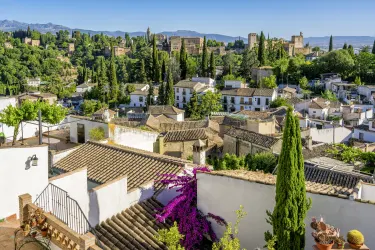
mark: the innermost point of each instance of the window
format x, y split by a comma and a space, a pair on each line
177, 90
258, 101
178, 98
225, 99
184, 100
242, 100
232, 99
251, 101
314, 112
141, 99
257, 109
267, 101
140, 105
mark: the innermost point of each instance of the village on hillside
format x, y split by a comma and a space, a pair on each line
160, 142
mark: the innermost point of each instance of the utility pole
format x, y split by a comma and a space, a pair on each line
40, 127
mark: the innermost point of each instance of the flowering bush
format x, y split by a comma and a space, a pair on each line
183, 208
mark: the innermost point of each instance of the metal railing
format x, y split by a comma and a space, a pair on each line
57, 201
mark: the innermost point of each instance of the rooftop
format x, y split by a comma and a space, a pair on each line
258, 139
313, 183
248, 92
185, 135
107, 162
133, 228
318, 105
164, 109
189, 84
165, 127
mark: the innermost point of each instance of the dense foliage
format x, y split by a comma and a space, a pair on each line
171, 237
291, 206
97, 134
183, 209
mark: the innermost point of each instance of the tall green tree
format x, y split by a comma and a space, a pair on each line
163, 71
151, 95
345, 46
204, 67
102, 79
351, 51
262, 50
169, 92
193, 110
113, 84
268, 82
330, 44
211, 102
28, 33
292, 205
249, 60
212, 66
161, 96
155, 61
183, 60
373, 48
142, 77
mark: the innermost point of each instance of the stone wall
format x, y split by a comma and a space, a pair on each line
245, 147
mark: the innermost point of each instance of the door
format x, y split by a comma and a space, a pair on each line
81, 133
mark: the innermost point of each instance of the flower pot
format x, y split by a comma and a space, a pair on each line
44, 232
354, 246
33, 234
324, 246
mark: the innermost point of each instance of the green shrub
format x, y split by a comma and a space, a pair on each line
264, 161
171, 237
97, 134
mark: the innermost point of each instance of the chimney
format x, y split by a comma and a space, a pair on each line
199, 152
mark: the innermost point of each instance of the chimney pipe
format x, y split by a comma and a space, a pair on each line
40, 127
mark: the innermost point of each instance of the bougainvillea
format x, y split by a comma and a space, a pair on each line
183, 208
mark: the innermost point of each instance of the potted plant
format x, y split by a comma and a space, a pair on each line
26, 228
2, 138
340, 241
355, 239
44, 231
324, 234
33, 234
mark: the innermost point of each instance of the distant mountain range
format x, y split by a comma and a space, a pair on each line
356, 41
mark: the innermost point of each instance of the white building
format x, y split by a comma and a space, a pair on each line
5, 101
33, 82
319, 109
367, 93
206, 80
82, 88
168, 111
234, 84
365, 132
254, 99
138, 98
183, 91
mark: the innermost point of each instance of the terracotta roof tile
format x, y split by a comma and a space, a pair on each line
165, 127
186, 135
258, 139
133, 228
106, 162
318, 105
165, 110
269, 179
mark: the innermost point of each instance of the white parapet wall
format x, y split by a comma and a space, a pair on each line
222, 196
18, 176
132, 137
75, 184
331, 135
107, 200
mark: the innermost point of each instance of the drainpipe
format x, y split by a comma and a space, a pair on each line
40, 128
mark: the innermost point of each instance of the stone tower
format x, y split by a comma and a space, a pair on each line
199, 152
252, 40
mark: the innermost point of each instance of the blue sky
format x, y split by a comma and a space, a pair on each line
279, 18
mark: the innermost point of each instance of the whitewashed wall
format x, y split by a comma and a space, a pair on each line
222, 196
368, 136
75, 184
141, 193
131, 137
89, 124
339, 134
17, 176
6, 101
107, 200
367, 192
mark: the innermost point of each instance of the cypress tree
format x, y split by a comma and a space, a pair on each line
330, 44
183, 58
163, 71
262, 50
142, 78
155, 61
114, 88
150, 96
373, 48
291, 202
204, 67
345, 46
230, 70
161, 95
169, 92
212, 66
28, 33
85, 74
193, 109
102, 79
351, 50
93, 74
